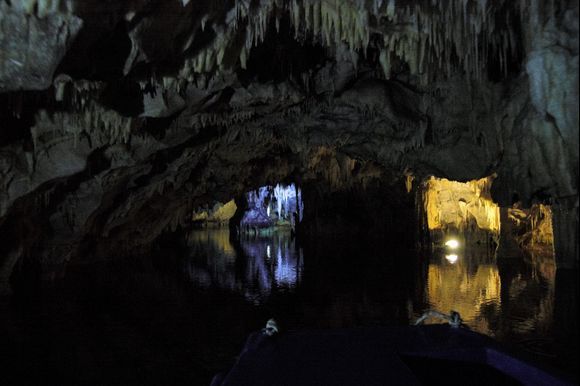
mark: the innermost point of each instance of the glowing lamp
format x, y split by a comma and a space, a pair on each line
452, 243
451, 258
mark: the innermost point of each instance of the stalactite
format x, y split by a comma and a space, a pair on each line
409, 182
443, 198
431, 37
102, 125
41, 8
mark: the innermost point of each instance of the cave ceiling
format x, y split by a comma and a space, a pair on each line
115, 114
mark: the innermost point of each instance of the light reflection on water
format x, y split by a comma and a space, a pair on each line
260, 266
470, 285
194, 305
512, 300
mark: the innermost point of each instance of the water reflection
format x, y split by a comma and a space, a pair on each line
464, 287
255, 268
513, 298
510, 298
212, 259
148, 316
331, 284
528, 298
346, 283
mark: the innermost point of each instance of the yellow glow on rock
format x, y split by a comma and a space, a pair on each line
220, 213
458, 204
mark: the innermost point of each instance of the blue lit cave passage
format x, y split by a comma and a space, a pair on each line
268, 207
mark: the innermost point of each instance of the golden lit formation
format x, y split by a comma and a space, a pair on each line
457, 205
219, 214
534, 225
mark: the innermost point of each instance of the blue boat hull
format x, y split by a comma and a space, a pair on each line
411, 355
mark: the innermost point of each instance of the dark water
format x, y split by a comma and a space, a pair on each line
182, 314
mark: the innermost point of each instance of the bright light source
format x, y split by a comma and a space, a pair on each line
453, 244
451, 258
268, 251
268, 211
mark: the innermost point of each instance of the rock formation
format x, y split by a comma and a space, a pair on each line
117, 119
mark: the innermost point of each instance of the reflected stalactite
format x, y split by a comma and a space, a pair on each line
472, 290
256, 268
514, 298
214, 259
511, 300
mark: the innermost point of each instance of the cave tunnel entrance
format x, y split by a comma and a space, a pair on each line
462, 218
261, 211
272, 207
339, 200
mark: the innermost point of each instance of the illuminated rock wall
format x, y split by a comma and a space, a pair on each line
459, 206
270, 206
219, 215
533, 226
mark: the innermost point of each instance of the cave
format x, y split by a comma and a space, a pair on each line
173, 173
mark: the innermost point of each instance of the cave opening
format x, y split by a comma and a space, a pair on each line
263, 210
272, 207
462, 216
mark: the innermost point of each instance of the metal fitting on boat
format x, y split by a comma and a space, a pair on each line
271, 328
453, 318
